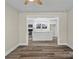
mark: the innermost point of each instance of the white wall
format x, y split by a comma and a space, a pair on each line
22, 29
11, 28
62, 25
70, 29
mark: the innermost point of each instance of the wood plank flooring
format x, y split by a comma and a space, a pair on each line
41, 52
43, 43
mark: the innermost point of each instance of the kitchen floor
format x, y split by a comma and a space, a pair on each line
43, 43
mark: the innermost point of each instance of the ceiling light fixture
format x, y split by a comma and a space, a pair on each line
34, 1
31, 0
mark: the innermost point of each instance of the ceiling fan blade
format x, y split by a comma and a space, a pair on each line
36, 1
26, 2
39, 2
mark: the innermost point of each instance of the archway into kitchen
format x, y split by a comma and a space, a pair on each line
43, 31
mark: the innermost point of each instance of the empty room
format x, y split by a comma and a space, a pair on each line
38, 29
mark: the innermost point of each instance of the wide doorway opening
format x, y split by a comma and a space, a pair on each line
42, 31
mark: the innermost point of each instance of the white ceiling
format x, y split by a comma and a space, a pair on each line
48, 5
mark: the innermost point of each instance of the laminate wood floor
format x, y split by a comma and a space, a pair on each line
43, 43
41, 52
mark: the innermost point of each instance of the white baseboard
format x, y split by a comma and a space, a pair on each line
65, 44
70, 46
10, 50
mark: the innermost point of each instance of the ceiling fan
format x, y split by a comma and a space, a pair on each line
33, 1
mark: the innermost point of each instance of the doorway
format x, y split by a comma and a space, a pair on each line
43, 36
